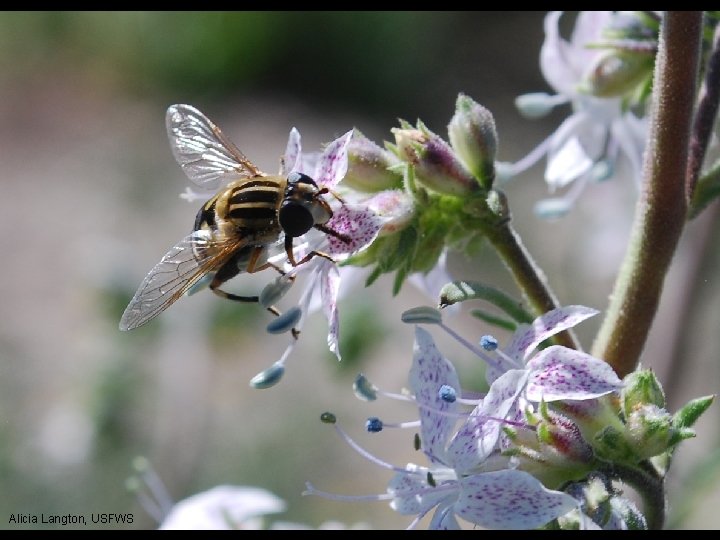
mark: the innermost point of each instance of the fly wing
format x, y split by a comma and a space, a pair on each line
184, 265
206, 155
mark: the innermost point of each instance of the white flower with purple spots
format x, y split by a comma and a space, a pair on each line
520, 375
467, 477
356, 225
586, 146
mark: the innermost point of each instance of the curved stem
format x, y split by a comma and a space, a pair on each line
709, 97
661, 207
528, 276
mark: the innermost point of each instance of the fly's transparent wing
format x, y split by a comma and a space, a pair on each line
201, 149
184, 265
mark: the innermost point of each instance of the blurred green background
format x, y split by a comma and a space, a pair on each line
90, 203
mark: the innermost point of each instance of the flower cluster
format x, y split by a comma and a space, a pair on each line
603, 72
528, 452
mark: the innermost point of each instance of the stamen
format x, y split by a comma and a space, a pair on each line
285, 322
311, 490
538, 104
489, 343
268, 378
157, 501
479, 352
447, 393
364, 453
364, 389
374, 425
504, 171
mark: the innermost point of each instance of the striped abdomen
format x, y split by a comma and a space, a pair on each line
252, 205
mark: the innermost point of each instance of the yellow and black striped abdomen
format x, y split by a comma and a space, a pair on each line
252, 205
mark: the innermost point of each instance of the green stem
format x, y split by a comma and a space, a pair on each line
528, 275
661, 207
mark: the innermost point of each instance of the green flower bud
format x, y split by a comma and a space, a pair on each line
650, 431
641, 388
435, 164
370, 168
474, 138
618, 73
610, 444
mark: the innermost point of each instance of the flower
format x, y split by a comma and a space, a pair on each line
354, 225
468, 478
587, 144
223, 507
552, 374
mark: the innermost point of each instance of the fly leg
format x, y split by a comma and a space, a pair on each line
313, 253
231, 269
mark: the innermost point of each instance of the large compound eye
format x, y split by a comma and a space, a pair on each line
296, 178
295, 219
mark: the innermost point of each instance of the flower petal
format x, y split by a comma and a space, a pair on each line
478, 436
510, 500
412, 494
333, 162
566, 164
358, 223
429, 371
394, 207
222, 507
444, 517
631, 134
528, 337
292, 153
555, 57
329, 287
560, 373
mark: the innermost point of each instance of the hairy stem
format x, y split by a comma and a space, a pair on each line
661, 208
705, 117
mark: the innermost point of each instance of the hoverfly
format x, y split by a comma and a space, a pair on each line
234, 229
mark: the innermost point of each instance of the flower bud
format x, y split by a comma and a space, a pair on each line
474, 138
564, 436
641, 388
435, 164
650, 430
617, 73
370, 168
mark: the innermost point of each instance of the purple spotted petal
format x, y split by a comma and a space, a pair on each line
561, 373
292, 153
395, 207
333, 163
510, 500
358, 223
478, 436
429, 371
525, 340
329, 286
411, 492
